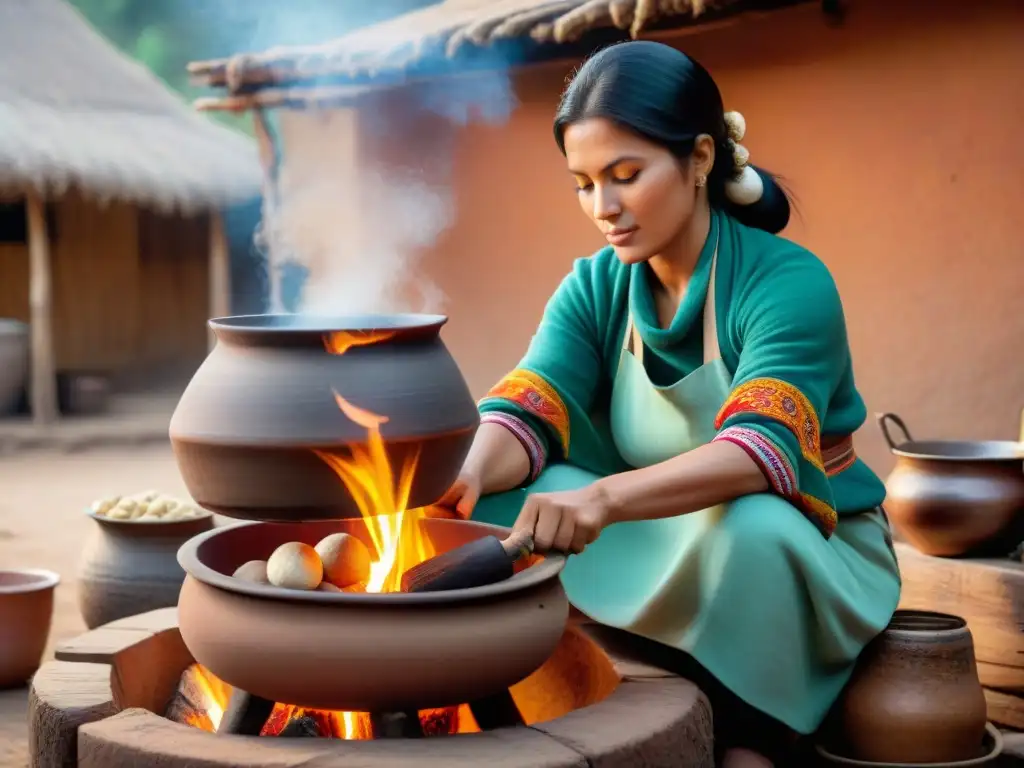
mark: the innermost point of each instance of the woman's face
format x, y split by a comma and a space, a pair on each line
639, 195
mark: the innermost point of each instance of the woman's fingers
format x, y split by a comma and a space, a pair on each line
466, 504
549, 519
527, 520
581, 537
564, 536
453, 495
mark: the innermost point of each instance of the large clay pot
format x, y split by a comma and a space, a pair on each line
131, 566
915, 696
364, 652
13, 363
26, 612
950, 498
253, 427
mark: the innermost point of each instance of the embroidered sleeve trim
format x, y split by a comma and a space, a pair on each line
781, 476
536, 396
778, 400
524, 434
775, 465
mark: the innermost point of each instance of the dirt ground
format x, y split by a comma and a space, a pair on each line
42, 496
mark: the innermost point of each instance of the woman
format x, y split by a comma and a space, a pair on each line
683, 414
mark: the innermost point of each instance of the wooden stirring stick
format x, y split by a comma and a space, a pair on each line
481, 562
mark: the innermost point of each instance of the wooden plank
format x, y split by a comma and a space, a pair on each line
44, 374
1004, 709
220, 272
989, 594
1001, 678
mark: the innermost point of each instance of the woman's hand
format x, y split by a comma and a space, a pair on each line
565, 521
464, 494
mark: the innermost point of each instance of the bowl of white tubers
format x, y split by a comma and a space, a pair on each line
130, 563
146, 507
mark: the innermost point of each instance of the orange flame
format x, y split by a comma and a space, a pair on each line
382, 496
339, 342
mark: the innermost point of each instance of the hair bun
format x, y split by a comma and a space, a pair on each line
747, 188
735, 126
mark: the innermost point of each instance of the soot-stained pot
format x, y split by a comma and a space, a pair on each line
364, 652
130, 566
955, 497
915, 696
251, 428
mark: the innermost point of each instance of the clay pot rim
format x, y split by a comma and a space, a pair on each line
992, 736
174, 529
319, 324
933, 623
188, 558
44, 579
203, 515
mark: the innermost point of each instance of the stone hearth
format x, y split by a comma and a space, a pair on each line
100, 704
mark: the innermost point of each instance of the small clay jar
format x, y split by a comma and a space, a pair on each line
131, 567
915, 696
26, 612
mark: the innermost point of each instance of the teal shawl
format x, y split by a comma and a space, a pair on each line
782, 333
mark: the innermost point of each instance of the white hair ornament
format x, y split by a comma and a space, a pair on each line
746, 186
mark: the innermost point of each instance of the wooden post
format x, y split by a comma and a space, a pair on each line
40, 299
220, 271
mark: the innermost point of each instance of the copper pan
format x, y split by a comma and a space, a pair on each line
955, 497
364, 652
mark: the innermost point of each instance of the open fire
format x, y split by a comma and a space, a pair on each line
381, 493
204, 699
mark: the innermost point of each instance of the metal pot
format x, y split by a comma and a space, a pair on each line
280, 397
955, 497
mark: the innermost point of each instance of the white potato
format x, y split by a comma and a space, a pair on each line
346, 559
295, 565
102, 506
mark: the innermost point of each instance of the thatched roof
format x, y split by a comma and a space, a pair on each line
74, 111
447, 31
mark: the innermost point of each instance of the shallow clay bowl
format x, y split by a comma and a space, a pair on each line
201, 522
364, 652
26, 612
990, 750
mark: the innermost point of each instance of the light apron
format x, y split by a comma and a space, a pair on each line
750, 589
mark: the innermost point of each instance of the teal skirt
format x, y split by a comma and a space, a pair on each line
778, 613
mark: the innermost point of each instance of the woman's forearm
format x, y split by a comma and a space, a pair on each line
704, 477
497, 458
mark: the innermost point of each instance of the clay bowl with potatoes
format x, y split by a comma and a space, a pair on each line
255, 612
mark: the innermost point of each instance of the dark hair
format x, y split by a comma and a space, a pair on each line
668, 98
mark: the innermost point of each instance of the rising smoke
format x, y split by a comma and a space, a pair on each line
356, 228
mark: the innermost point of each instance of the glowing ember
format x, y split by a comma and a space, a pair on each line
339, 725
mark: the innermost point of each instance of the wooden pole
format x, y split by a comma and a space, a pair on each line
44, 369
220, 271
